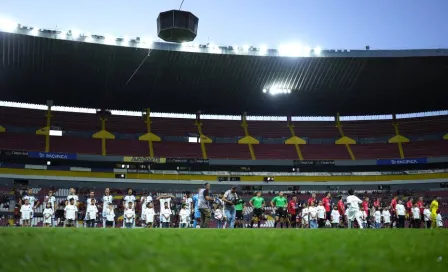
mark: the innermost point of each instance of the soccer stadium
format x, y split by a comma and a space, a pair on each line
337, 156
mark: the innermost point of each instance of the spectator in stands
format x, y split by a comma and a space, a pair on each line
401, 214
434, 207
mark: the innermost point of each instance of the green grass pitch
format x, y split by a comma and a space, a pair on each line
196, 250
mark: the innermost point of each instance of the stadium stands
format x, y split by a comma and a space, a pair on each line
425, 134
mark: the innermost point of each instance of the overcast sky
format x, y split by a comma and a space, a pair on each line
338, 24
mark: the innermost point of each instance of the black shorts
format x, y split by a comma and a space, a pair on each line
109, 223
258, 212
281, 212
239, 215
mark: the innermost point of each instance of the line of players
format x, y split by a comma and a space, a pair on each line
228, 208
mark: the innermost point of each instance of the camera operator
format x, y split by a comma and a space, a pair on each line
230, 199
204, 200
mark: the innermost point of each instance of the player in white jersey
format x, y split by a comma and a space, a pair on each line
353, 212
26, 210
149, 215
72, 195
164, 199
91, 199
34, 203
48, 214
145, 200
130, 197
107, 199
70, 213
188, 201
52, 200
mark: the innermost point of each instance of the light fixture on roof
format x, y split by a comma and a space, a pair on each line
263, 49
8, 25
317, 51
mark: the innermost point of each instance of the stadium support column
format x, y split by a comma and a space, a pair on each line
103, 135
202, 138
149, 136
247, 139
294, 140
398, 139
45, 131
347, 141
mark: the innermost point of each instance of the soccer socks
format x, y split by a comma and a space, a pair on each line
281, 225
275, 224
195, 223
259, 223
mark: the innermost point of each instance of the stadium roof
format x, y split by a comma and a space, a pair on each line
36, 69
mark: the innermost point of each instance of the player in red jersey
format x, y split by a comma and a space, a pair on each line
421, 206
393, 208
312, 199
326, 201
292, 211
365, 209
409, 206
341, 208
377, 203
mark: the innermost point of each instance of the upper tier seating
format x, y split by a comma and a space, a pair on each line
375, 151
21, 125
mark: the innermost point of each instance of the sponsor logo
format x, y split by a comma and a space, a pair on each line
404, 161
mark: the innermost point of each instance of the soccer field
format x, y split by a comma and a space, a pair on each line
38, 249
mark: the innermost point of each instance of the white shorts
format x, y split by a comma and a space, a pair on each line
26, 217
47, 220
352, 214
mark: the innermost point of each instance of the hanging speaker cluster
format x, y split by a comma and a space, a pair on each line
177, 26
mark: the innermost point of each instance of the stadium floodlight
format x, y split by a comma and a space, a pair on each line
109, 39
246, 47
35, 31
265, 91
291, 50
263, 49
126, 39
317, 51
8, 25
